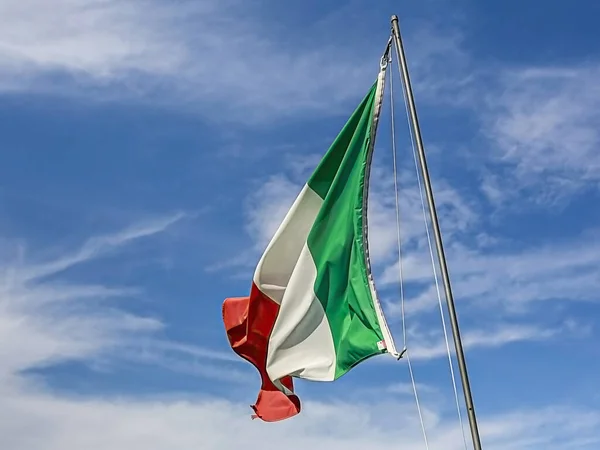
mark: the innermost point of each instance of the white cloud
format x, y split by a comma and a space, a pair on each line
55, 320
544, 123
513, 279
195, 54
96, 37
42, 421
423, 347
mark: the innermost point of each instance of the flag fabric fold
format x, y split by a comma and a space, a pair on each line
313, 311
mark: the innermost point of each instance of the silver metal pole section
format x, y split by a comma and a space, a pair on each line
438, 236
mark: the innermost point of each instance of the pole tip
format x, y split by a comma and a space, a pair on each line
394, 17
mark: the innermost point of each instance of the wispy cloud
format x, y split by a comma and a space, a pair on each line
516, 279
55, 320
423, 347
99, 245
194, 54
63, 423
185, 359
543, 122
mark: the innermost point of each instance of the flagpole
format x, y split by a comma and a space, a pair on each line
437, 235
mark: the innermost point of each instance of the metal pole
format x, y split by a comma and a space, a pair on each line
438, 236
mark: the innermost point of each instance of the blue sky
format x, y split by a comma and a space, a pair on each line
148, 150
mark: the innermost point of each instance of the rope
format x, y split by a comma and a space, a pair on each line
437, 286
399, 239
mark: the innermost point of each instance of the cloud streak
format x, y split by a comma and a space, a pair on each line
58, 321
195, 55
425, 348
100, 245
515, 280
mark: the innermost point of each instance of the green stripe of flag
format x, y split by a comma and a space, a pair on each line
342, 284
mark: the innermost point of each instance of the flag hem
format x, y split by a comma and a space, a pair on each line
388, 340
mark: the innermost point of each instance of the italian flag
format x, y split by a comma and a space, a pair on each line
313, 311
